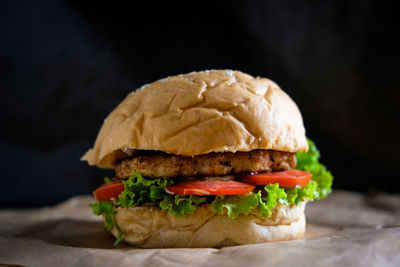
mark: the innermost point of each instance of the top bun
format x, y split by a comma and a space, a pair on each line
199, 113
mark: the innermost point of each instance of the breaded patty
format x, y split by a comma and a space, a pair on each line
212, 164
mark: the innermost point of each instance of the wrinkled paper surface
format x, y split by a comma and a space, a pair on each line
346, 229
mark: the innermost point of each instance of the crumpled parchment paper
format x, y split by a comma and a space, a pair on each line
346, 229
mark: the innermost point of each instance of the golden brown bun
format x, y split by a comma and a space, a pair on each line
151, 227
198, 113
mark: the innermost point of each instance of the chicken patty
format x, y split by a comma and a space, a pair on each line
212, 164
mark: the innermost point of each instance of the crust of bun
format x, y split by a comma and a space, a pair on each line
199, 113
151, 227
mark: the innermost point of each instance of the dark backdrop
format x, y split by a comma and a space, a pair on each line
65, 65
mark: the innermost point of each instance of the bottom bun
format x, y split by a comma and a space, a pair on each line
151, 227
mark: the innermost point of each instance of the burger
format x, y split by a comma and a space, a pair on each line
206, 159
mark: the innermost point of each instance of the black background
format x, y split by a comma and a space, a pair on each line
65, 65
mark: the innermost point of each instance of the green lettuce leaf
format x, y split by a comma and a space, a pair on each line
274, 195
299, 194
233, 205
179, 205
139, 190
107, 208
309, 161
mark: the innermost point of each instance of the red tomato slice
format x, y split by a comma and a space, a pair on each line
210, 188
290, 178
108, 192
